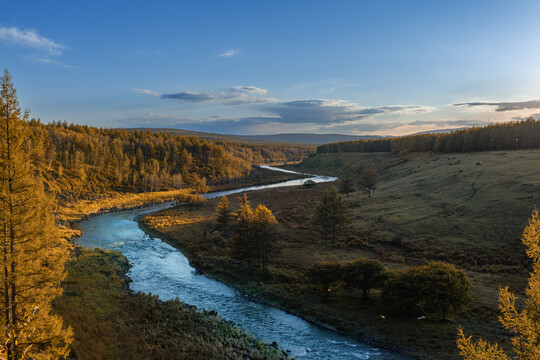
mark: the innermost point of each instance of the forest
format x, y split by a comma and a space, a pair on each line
81, 161
515, 135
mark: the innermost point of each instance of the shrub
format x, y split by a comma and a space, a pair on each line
437, 288
365, 274
324, 274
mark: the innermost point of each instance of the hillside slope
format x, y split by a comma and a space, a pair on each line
467, 209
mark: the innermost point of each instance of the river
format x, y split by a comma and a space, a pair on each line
160, 269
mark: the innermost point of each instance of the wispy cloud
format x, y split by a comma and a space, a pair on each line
229, 53
234, 96
52, 61
450, 123
147, 92
44, 50
505, 106
521, 118
31, 39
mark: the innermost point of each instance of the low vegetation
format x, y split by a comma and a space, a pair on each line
109, 322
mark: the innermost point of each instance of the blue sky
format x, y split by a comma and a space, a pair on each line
254, 67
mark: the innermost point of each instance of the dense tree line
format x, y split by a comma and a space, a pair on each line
90, 158
507, 136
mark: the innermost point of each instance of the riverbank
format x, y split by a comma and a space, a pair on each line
68, 214
111, 322
288, 288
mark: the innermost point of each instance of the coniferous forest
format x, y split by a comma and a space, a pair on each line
516, 135
82, 161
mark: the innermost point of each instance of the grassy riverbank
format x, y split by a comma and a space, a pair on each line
69, 213
110, 322
426, 208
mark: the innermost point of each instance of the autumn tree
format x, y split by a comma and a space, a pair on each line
523, 324
331, 215
346, 185
224, 214
365, 274
243, 247
263, 225
368, 180
32, 251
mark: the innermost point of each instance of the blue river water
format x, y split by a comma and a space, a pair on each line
160, 269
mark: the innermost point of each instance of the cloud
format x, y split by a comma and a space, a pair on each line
54, 62
230, 53
522, 118
450, 123
31, 39
233, 96
147, 92
505, 106
327, 112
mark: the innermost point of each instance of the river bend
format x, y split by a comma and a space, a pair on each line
160, 269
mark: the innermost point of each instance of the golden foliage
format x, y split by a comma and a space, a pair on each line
163, 222
524, 324
32, 251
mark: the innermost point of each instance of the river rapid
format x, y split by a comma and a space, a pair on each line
160, 269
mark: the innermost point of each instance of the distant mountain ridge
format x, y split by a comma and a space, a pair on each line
308, 138
290, 138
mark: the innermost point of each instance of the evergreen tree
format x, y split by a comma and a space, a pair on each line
263, 225
331, 215
224, 214
32, 252
346, 184
368, 180
524, 324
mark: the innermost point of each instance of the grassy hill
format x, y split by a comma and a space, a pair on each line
465, 209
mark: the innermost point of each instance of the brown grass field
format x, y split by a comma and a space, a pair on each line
465, 209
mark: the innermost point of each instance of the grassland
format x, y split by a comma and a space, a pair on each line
466, 209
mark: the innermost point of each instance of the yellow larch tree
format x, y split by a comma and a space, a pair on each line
524, 324
264, 225
32, 252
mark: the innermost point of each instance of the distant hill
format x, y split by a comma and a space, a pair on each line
294, 138
199, 134
306, 138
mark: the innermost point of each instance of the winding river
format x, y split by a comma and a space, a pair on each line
160, 269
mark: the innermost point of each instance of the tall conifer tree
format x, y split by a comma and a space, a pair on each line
264, 225
331, 215
243, 246
32, 251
